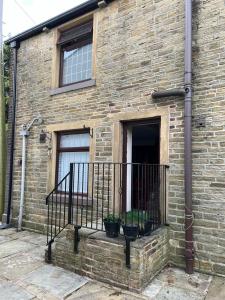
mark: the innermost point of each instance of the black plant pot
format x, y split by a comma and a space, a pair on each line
112, 228
147, 228
131, 231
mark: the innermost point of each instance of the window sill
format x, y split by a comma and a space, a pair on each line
73, 87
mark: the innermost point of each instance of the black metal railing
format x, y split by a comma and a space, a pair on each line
133, 194
58, 212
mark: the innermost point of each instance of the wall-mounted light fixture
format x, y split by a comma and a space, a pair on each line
44, 136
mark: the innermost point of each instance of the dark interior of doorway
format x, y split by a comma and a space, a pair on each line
145, 159
145, 144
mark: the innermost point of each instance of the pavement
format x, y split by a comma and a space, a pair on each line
24, 275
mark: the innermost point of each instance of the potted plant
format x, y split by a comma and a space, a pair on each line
112, 225
137, 222
130, 225
146, 227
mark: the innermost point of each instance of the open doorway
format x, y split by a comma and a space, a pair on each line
142, 155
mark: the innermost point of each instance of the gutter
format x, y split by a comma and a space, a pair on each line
187, 94
73, 13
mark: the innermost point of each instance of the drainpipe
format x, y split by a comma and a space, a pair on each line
2, 124
187, 93
189, 248
25, 133
168, 93
15, 46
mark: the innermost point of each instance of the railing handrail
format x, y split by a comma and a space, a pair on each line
113, 188
119, 163
56, 187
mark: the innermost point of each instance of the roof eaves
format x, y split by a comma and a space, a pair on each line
56, 21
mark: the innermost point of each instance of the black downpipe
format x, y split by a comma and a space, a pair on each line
15, 46
187, 93
189, 249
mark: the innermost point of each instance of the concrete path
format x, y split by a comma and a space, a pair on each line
24, 275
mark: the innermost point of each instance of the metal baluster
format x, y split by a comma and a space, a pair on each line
47, 201
56, 206
78, 186
60, 207
52, 216
87, 192
92, 194
70, 195
103, 187
108, 186
65, 196
82, 194
97, 197
120, 180
114, 188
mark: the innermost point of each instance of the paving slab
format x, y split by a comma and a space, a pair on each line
175, 293
13, 247
34, 238
5, 238
10, 291
55, 280
153, 289
25, 275
96, 291
197, 282
216, 289
7, 231
15, 266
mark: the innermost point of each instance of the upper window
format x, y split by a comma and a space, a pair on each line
76, 54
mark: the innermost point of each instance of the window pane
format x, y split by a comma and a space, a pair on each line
81, 181
77, 64
74, 140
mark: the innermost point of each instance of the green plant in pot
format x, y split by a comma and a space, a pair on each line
112, 225
130, 225
145, 225
137, 222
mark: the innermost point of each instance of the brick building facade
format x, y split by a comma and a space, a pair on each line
137, 47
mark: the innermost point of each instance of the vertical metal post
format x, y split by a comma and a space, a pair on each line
76, 238
49, 258
2, 123
189, 249
14, 45
127, 252
70, 195
24, 133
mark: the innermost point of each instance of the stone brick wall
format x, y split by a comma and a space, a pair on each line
140, 47
208, 146
103, 258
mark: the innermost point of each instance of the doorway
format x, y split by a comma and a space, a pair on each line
141, 153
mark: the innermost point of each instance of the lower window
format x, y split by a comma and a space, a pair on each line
73, 147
